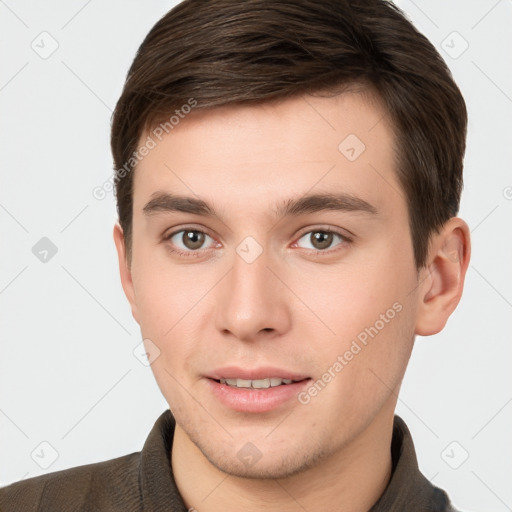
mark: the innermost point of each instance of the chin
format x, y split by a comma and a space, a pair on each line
251, 463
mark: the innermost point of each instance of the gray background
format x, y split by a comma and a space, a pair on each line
68, 375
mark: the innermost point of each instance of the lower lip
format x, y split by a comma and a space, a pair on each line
255, 400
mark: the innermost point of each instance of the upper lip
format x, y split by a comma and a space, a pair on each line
263, 372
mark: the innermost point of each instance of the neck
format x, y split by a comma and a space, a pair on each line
351, 479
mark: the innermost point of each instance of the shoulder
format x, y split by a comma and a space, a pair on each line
108, 485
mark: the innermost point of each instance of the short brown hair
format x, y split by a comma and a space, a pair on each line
241, 52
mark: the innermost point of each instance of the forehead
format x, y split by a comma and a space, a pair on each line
262, 154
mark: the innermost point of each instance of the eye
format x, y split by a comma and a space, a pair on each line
187, 240
322, 239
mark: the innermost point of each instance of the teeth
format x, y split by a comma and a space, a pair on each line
241, 383
257, 383
261, 383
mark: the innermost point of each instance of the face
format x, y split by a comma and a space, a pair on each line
322, 293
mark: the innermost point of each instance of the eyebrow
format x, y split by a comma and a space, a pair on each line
312, 203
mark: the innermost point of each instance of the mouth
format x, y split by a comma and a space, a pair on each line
256, 391
269, 382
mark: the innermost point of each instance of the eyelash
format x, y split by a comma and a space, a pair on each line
316, 252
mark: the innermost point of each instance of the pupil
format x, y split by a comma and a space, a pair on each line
322, 239
193, 239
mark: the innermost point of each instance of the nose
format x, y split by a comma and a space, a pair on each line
253, 302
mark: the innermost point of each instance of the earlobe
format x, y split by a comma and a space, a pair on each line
124, 269
442, 280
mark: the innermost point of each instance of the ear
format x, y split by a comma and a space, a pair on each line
124, 269
442, 279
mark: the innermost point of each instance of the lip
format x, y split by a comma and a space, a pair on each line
263, 372
255, 400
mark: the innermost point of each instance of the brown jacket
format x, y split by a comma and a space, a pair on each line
143, 481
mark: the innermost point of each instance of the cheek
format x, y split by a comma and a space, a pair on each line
164, 291
375, 334
174, 303
161, 296
168, 305
349, 298
369, 313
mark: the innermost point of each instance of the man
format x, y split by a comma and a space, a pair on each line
288, 176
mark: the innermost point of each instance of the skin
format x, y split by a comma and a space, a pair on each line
294, 306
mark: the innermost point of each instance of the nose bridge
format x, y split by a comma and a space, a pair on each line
252, 299
250, 279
